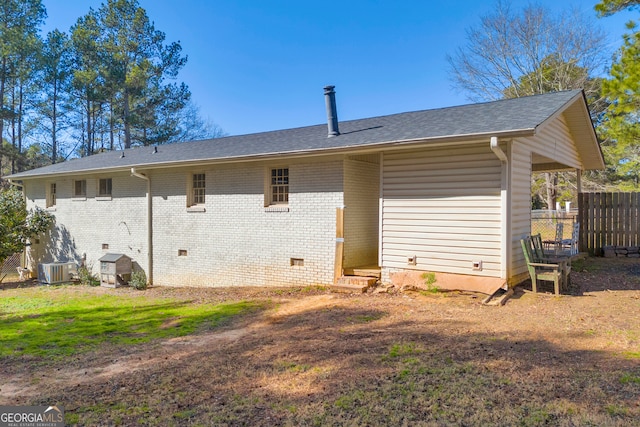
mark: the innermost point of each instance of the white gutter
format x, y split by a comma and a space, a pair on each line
495, 147
436, 141
149, 224
15, 184
505, 211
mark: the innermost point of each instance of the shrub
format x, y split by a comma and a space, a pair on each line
429, 280
138, 280
17, 224
87, 278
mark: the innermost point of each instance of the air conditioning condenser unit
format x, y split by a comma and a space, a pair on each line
56, 272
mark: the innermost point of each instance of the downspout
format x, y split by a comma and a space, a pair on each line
149, 224
505, 228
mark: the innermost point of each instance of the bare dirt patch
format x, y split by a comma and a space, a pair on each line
318, 358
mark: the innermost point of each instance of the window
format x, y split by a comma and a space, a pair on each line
51, 195
280, 186
104, 187
197, 189
196, 192
80, 188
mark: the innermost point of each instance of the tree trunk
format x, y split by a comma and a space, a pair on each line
111, 125
127, 125
3, 77
54, 123
551, 179
20, 110
13, 129
89, 130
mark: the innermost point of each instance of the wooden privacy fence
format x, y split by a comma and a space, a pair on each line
608, 219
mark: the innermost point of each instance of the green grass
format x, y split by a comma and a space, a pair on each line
403, 349
366, 318
629, 378
49, 322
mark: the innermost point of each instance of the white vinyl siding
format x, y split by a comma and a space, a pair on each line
553, 140
553, 143
442, 206
521, 204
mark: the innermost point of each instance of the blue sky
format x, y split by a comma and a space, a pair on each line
261, 65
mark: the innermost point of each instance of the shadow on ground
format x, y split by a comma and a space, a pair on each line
327, 359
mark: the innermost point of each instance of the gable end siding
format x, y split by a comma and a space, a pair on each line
554, 141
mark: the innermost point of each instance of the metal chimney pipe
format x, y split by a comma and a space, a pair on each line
332, 111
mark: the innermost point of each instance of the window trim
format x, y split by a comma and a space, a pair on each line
271, 181
104, 196
83, 195
196, 203
51, 195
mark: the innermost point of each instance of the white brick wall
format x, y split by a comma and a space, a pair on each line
83, 226
235, 241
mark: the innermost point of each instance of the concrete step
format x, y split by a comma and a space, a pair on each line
354, 284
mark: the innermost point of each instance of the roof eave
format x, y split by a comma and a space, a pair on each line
379, 146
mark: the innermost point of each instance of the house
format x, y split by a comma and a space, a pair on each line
446, 191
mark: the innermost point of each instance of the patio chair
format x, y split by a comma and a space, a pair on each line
540, 256
555, 245
537, 248
572, 243
541, 269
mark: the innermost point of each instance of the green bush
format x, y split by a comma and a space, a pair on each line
138, 280
87, 277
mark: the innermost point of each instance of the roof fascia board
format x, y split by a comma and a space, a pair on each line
551, 167
584, 107
374, 147
559, 111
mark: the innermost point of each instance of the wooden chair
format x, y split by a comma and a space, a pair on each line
543, 270
537, 248
539, 255
556, 244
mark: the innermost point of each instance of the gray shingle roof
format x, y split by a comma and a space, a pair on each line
111, 257
490, 118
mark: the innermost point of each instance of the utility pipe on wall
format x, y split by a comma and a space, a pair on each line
149, 224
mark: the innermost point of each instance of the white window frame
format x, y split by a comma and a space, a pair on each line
101, 195
196, 191
83, 194
278, 183
51, 195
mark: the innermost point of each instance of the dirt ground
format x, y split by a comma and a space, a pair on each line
321, 358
